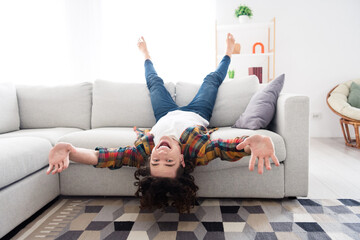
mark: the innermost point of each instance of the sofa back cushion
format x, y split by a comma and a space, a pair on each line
9, 117
232, 99
55, 106
118, 104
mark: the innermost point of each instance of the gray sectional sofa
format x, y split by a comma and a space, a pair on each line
104, 113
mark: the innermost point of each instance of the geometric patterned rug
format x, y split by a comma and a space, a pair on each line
121, 218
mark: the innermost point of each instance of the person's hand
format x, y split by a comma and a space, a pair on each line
59, 157
230, 44
143, 47
262, 148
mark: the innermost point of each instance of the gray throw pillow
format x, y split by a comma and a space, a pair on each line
261, 108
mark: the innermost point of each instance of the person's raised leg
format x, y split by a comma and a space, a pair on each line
204, 101
161, 100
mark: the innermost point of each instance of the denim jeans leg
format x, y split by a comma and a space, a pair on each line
204, 101
161, 100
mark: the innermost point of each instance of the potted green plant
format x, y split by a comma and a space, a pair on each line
243, 13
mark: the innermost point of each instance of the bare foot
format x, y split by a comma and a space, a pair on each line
230, 44
143, 48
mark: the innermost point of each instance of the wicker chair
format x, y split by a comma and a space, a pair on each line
345, 121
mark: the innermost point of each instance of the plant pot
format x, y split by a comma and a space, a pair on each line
244, 19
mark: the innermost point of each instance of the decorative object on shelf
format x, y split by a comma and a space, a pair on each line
262, 47
231, 74
243, 13
257, 71
237, 48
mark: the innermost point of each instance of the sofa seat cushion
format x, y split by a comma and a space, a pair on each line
228, 133
101, 137
51, 134
22, 156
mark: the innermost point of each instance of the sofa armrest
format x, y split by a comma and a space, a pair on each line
291, 121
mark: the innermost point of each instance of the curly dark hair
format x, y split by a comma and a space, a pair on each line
157, 192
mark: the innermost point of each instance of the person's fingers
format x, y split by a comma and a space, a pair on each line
242, 144
61, 167
49, 169
142, 38
56, 167
267, 163
252, 162
275, 160
261, 165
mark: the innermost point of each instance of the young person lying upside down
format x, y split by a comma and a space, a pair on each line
167, 154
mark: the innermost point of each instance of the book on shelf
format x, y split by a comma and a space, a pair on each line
257, 71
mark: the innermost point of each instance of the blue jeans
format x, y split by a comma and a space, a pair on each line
202, 104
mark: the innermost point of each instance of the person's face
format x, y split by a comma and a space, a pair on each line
166, 158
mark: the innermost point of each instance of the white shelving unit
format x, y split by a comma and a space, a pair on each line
247, 34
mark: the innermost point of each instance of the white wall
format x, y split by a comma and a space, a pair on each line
33, 41
317, 47
67, 41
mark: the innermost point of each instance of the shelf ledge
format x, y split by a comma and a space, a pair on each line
250, 55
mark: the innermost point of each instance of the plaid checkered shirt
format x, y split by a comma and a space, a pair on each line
195, 143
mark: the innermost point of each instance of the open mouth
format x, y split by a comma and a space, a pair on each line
164, 144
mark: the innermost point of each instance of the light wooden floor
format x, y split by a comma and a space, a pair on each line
334, 169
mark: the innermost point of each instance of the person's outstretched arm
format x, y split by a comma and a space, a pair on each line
61, 153
112, 158
259, 147
225, 149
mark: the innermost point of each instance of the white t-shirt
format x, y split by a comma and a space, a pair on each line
174, 123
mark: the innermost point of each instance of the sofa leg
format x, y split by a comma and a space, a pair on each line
291, 198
